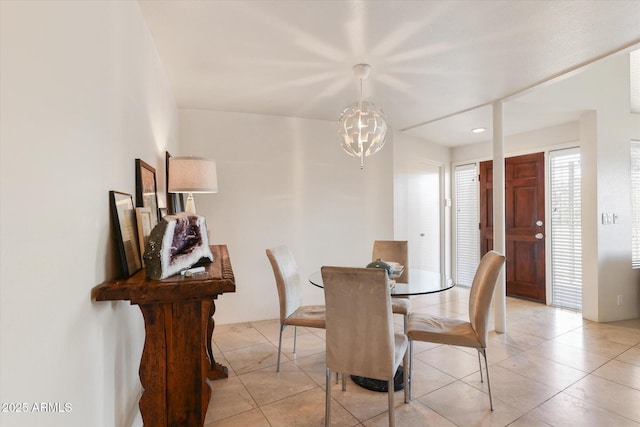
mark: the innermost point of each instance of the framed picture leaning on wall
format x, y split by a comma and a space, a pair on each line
145, 222
125, 231
146, 188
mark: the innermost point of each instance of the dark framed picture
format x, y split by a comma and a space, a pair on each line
175, 201
146, 189
126, 231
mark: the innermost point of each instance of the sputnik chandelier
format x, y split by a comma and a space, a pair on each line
362, 126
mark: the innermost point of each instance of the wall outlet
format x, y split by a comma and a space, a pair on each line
619, 300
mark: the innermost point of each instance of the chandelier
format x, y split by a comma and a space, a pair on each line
362, 126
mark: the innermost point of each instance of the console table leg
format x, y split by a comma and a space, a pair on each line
216, 371
153, 368
173, 370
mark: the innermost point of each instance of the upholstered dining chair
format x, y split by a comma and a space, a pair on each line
360, 339
292, 312
396, 251
458, 332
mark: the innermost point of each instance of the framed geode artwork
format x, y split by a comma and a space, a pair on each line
126, 231
175, 201
146, 189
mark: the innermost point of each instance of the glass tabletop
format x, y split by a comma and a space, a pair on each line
420, 282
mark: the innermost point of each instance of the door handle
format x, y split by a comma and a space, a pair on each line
539, 236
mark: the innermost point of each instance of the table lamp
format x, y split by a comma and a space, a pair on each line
192, 175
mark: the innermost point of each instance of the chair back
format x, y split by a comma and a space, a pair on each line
359, 328
287, 277
484, 284
393, 250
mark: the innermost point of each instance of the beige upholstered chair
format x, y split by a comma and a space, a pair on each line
424, 327
396, 251
360, 339
292, 312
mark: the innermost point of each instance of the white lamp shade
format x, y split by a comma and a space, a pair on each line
192, 175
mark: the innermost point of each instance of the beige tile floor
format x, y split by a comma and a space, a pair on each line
551, 368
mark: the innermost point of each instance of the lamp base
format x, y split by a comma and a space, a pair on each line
190, 207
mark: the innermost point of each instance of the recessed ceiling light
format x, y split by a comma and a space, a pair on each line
478, 130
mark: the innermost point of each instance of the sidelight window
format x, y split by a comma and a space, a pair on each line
635, 204
467, 244
566, 228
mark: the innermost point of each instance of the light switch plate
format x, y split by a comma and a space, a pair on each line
609, 218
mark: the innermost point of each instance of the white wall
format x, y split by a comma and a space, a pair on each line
615, 275
567, 134
286, 181
408, 150
603, 133
82, 95
589, 161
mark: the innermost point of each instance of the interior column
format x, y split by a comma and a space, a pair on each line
500, 301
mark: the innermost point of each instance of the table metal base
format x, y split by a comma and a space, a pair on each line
380, 385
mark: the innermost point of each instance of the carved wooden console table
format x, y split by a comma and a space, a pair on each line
177, 357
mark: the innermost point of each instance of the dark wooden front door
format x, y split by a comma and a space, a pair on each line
524, 223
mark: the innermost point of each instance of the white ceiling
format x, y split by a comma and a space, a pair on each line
432, 60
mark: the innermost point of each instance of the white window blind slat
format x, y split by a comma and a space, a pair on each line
566, 228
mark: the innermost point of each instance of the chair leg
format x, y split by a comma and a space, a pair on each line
486, 364
405, 375
337, 374
406, 322
327, 405
344, 382
282, 326
295, 338
392, 414
410, 379
480, 364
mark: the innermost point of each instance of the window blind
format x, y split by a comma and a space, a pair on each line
634, 77
635, 204
466, 220
566, 228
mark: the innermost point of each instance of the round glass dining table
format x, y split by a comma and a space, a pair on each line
421, 282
